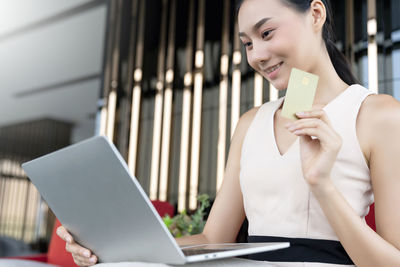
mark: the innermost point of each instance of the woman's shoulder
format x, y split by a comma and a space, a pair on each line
380, 109
245, 121
379, 117
247, 118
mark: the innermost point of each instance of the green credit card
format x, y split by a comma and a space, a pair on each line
300, 93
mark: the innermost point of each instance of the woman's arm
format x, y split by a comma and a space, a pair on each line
380, 125
227, 213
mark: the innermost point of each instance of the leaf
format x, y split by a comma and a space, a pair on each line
182, 224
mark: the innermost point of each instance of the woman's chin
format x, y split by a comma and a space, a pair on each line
279, 83
279, 86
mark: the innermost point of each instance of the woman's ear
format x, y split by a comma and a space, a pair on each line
318, 14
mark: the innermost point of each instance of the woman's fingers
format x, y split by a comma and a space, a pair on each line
64, 235
82, 261
319, 128
71, 246
82, 256
315, 113
310, 132
76, 249
315, 123
305, 123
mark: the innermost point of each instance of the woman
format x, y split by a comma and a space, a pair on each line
308, 181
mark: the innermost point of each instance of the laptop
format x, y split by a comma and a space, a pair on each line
90, 189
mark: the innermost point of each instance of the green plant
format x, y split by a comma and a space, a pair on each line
183, 224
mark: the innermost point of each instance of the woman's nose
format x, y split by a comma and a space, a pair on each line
260, 54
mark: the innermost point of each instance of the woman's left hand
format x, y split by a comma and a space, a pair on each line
319, 154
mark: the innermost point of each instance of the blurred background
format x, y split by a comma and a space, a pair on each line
165, 80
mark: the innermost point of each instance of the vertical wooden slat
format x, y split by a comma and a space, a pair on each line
258, 89
125, 110
137, 90
387, 51
186, 107
103, 119
169, 78
32, 215
38, 217
26, 195
2, 202
25, 219
112, 96
19, 210
273, 93
111, 109
372, 47
12, 207
9, 191
236, 79
223, 94
350, 31
197, 107
3, 205
158, 104
112, 17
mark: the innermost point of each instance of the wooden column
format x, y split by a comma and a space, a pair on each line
186, 108
372, 47
158, 104
197, 107
167, 116
223, 94
137, 90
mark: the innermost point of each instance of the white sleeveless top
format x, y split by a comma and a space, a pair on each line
277, 199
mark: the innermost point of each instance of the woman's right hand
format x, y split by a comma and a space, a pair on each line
82, 256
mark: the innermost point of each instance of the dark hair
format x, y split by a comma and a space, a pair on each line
339, 61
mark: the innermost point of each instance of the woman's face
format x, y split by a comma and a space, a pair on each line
277, 38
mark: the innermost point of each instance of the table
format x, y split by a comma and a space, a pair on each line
213, 263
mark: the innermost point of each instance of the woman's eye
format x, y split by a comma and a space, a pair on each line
265, 34
246, 45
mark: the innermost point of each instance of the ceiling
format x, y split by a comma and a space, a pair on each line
51, 57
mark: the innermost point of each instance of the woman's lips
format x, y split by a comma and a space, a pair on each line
272, 72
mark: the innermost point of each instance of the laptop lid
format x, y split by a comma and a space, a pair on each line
89, 188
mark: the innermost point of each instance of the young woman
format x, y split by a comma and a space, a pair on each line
308, 181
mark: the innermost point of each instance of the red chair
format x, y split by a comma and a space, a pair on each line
370, 218
163, 208
57, 254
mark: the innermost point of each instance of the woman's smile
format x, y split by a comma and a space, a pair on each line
272, 71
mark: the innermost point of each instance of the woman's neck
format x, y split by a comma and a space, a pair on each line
330, 84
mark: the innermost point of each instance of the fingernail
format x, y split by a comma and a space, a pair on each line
86, 254
301, 113
69, 239
287, 125
93, 260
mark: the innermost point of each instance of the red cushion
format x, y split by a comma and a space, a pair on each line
370, 218
163, 208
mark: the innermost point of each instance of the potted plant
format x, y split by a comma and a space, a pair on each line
184, 224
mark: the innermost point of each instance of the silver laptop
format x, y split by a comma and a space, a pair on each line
89, 188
